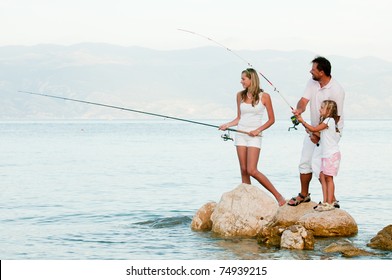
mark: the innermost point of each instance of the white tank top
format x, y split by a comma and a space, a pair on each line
251, 117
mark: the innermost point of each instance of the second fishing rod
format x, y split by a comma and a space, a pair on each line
293, 118
225, 136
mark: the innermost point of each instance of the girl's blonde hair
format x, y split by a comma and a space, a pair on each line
254, 88
331, 109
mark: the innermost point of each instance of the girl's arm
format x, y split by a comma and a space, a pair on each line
317, 128
266, 100
237, 119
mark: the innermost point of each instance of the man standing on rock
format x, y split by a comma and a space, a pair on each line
321, 87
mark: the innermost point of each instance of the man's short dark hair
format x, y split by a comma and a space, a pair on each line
323, 65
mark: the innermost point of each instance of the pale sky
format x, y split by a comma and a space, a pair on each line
353, 28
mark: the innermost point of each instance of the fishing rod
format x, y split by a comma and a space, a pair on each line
293, 118
225, 136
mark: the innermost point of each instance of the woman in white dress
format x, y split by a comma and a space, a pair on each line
251, 104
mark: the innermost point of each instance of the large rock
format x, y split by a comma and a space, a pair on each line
383, 239
289, 215
336, 222
243, 212
202, 219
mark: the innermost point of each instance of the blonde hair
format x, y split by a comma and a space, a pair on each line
254, 88
331, 109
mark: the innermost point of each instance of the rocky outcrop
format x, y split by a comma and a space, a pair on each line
383, 239
248, 211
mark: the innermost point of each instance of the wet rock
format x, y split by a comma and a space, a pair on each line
243, 212
202, 219
347, 249
383, 239
270, 236
297, 237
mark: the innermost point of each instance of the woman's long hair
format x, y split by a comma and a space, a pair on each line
254, 88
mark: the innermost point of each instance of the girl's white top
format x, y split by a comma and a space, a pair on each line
329, 139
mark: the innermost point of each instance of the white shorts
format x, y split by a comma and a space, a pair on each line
310, 158
242, 139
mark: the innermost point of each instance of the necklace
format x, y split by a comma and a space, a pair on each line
247, 94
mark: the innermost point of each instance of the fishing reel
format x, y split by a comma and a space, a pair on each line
227, 136
295, 123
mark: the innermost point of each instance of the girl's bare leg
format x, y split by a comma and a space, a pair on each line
330, 189
324, 187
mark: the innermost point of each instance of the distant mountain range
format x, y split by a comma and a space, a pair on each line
198, 83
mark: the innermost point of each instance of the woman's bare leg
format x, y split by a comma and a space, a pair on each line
252, 161
242, 158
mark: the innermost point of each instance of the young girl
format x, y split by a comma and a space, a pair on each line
251, 104
330, 154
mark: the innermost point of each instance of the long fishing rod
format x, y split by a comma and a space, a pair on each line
293, 118
240, 57
224, 136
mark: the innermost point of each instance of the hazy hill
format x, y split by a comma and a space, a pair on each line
196, 83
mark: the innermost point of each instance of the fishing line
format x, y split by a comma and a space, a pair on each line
225, 137
293, 119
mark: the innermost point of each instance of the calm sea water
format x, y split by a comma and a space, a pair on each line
129, 189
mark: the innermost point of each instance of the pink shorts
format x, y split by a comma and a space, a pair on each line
330, 166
